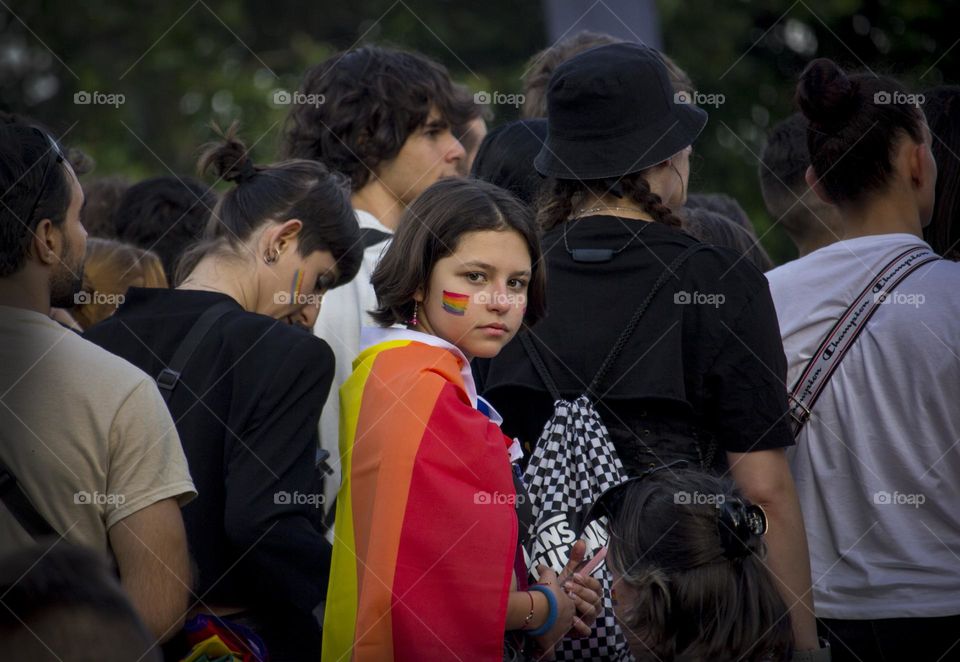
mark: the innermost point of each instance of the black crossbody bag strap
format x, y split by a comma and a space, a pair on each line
19, 505
169, 377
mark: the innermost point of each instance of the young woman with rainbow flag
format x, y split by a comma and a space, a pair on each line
427, 561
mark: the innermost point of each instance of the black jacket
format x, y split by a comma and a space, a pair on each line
246, 410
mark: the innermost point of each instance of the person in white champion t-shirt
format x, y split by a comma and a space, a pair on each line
384, 118
877, 465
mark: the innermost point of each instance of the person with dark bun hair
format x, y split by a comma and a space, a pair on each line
683, 544
506, 158
941, 105
700, 377
245, 380
871, 329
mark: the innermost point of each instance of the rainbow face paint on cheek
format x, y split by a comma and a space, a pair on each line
455, 303
296, 285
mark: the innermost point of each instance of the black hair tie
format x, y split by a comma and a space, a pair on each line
738, 524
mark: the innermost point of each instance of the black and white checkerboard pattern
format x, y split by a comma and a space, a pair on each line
573, 463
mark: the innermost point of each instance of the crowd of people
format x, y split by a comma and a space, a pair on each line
417, 391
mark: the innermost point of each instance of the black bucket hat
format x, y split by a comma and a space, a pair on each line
612, 111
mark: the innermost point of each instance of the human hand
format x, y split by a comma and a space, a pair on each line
587, 595
566, 612
585, 591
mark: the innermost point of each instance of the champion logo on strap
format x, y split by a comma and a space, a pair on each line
847, 329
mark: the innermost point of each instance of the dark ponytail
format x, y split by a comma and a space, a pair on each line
298, 188
855, 123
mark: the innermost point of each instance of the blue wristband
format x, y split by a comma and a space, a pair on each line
551, 614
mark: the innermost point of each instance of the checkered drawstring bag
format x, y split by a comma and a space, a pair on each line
573, 463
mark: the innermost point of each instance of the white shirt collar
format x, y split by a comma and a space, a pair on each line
367, 220
373, 335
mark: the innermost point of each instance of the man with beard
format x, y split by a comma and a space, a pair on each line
88, 451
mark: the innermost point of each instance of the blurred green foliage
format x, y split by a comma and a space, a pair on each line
180, 66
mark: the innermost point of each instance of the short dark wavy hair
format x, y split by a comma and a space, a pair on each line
372, 99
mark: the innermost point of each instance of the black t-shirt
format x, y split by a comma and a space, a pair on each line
706, 360
246, 409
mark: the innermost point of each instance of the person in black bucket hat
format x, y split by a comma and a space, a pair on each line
612, 111
701, 376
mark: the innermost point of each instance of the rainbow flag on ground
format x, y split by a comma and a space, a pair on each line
424, 548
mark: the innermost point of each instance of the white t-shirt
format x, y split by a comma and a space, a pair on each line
342, 314
86, 433
877, 466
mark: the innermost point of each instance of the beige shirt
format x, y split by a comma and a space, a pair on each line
86, 433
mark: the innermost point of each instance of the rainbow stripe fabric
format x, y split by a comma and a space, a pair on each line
455, 303
421, 564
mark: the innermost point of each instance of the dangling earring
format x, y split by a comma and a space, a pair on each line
272, 259
413, 320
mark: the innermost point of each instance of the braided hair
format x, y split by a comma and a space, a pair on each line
561, 196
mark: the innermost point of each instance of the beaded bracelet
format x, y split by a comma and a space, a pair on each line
551, 614
526, 621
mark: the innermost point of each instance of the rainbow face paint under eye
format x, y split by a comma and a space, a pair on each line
455, 303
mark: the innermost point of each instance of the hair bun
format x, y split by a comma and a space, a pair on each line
826, 96
227, 159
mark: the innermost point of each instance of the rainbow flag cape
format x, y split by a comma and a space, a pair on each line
425, 532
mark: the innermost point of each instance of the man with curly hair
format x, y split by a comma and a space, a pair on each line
384, 118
